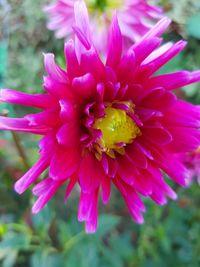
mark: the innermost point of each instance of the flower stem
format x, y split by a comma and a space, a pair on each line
20, 149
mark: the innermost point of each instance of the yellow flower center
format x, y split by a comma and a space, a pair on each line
117, 130
104, 5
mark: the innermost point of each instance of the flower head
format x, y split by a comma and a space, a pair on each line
135, 18
109, 123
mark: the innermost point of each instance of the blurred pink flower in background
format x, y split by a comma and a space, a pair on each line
135, 18
192, 163
109, 123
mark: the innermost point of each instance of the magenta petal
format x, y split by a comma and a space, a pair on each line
181, 135
158, 196
72, 182
55, 88
175, 80
106, 188
90, 173
21, 125
92, 221
134, 205
90, 62
126, 170
112, 167
64, 163
38, 100
127, 66
81, 18
157, 179
48, 118
104, 162
46, 193
137, 157
47, 144
173, 167
42, 187
114, 45
157, 98
85, 206
91, 224
161, 60
145, 47
84, 85
36, 170
87, 210
71, 59
68, 110
158, 135
53, 70
143, 183
158, 29
68, 135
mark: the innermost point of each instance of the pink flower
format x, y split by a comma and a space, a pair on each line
135, 18
192, 162
109, 123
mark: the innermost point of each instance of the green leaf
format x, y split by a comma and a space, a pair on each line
106, 224
44, 258
42, 220
15, 241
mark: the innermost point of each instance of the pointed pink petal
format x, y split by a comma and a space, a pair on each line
82, 18
175, 80
161, 60
71, 59
49, 118
64, 163
68, 135
84, 85
57, 89
90, 173
68, 110
158, 29
126, 170
145, 47
134, 204
114, 45
88, 210
112, 167
72, 182
136, 156
42, 101
46, 193
127, 66
21, 125
53, 70
157, 135
90, 62
106, 188
36, 170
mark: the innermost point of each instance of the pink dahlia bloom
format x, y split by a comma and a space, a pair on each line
192, 162
135, 18
112, 122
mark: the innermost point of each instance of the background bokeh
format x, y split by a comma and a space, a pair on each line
170, 235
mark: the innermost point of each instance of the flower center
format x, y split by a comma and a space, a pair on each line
104, 5
118, 129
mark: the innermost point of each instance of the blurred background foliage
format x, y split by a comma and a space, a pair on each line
170, 236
